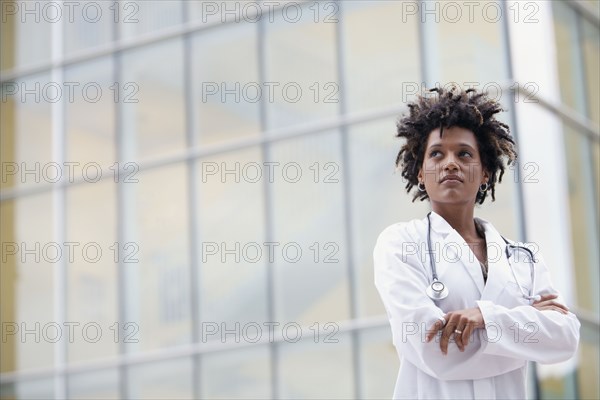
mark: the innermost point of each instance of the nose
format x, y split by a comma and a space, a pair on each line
451, 165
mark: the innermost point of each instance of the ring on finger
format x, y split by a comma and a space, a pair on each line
458, 331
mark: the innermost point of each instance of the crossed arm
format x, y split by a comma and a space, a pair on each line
401, 282
462, 323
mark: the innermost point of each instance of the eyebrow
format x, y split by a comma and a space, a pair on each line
460, 145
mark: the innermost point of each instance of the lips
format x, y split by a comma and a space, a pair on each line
451, 178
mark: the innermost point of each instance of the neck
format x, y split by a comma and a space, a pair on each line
459, 217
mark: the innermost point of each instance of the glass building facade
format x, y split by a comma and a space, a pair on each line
192, 190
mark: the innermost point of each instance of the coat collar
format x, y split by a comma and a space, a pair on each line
498, 268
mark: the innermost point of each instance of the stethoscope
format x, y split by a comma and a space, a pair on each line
438, 291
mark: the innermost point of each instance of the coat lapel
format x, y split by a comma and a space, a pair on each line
498, 269
453, 249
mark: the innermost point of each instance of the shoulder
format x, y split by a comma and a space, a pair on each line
401, 232
397, 247
508, 241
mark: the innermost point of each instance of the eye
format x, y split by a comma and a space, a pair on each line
464, 152
433, 153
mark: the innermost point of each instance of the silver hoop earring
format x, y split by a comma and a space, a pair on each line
419, 187
483, 188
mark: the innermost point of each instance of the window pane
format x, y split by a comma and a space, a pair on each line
237, 374
380, 363
42, 389
26, 32
103, 384
156, 260
584, 229
171, 379
90, 24
568, 56
303, 77
89, 118
469, 51
31, 259
233, 280
27, 133
321, 370
137, 18
311, 276
92, 272
591, 53
589, 360
382, 53
152, 100
226, 88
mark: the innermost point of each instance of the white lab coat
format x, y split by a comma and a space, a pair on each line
494, 363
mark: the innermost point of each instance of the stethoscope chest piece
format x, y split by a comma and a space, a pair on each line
437, 290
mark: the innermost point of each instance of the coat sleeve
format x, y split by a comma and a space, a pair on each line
401, 280
527, 333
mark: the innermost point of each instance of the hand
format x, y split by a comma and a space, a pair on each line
547, 302
465, 321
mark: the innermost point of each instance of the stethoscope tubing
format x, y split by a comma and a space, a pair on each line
438, 295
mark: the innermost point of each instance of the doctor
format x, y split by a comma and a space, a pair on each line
468, 309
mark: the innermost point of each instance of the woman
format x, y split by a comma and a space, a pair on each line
467, 331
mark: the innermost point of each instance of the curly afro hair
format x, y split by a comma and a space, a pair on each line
468, 109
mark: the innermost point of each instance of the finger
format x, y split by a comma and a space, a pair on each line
562, 310
553, 308
458, 337
444, 342
559, 305
446, 333
552, 303
467, 333
545, 297
433, 330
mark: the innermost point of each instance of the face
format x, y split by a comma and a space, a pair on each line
452, 170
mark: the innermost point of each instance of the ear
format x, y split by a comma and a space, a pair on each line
420, 175
486, 177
